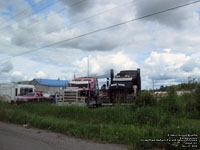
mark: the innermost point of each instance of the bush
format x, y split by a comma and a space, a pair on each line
145, 99
197, 97
165, 120
146, 115
169, 103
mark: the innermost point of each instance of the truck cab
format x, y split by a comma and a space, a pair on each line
81, 91
87, 86
125, 86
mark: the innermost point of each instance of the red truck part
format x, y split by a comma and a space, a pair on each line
33, 97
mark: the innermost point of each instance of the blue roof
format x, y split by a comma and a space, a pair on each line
50, 82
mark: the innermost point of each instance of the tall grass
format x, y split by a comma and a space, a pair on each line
147, 119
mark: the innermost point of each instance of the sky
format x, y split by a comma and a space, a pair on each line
166, 47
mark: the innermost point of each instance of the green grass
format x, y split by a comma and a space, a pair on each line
124, 125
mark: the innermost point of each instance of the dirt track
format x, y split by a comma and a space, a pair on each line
16, 137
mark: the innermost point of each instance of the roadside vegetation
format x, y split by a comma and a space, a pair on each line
149, 118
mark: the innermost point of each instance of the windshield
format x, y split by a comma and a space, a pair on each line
79, 85
30, 94
24, 91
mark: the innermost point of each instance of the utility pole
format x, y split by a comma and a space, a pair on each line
153, 85
88, 67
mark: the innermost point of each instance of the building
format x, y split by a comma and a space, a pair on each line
180, 93
48, 85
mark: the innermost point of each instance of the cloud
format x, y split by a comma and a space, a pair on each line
100, 65
76, 7
173, 18
17, 76
41, 74
165, 47
167, 68
163, 66
42, 28
6, 67
3, 6
16, 8
167, 50
192, 63
37, 1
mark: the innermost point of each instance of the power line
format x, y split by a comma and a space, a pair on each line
62, 9
102, 29
45, 7
72, 5
23, 11
89, 17
102, 12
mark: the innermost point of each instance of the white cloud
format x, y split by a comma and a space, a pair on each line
169, 68
17, 76
167, 50
41, 74
101, 64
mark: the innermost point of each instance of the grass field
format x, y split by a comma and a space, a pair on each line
120, 124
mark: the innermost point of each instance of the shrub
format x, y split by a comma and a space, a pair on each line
145, 99
165, 120
169, 103
146, 115
197, 97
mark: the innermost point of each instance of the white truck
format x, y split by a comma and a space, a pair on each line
10, 91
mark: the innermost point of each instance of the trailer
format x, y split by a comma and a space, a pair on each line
10, 91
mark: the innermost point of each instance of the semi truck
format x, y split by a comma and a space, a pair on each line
82, 91
125, 86
10, 91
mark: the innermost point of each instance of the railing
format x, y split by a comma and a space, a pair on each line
71, 97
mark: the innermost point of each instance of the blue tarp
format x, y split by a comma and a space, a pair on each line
50, 82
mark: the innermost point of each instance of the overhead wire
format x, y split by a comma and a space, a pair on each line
43, 8
62, 9
24, 11
103, 11
71, 5
105, 28
89, 17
